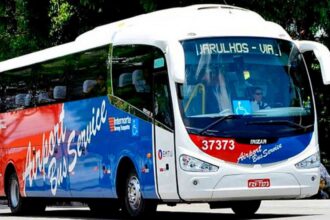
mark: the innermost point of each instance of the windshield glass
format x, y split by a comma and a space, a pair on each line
261, 83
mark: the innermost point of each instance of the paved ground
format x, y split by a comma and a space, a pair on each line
291, 210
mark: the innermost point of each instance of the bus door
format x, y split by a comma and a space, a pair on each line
164, 146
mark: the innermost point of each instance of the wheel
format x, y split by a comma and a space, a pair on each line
134, 205
246, 208
15, 201
19, 205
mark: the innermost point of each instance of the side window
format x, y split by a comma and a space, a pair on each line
89, 78
132, 69
50, 81
15, 89
72, 77
162, 100
77, 76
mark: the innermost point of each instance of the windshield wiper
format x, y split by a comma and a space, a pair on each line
217, 122
193, 130
280, 122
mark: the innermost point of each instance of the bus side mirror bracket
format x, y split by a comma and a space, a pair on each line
322, 54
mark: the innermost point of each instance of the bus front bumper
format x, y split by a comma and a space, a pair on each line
257, 186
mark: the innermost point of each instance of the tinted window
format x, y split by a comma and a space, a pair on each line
162, 100
133, 66
72, 77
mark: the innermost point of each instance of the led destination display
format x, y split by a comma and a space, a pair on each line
231, 46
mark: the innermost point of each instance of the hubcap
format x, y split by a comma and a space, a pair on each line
14, 193
134, 193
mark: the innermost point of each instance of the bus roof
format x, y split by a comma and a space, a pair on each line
195, 21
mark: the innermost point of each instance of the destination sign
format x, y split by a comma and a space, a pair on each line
209, 48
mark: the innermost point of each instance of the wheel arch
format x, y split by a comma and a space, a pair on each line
125, 165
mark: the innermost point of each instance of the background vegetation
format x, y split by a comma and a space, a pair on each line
30, 25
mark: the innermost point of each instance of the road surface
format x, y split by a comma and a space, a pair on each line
286, 209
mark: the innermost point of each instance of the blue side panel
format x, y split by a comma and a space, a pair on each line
81, 150
98, 136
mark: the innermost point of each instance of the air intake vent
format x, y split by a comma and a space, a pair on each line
228, 7
208, 7
232, 7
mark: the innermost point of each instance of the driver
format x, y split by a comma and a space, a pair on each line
257, 100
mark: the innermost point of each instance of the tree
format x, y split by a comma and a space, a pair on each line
20, 27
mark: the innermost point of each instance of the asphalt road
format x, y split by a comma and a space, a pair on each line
285, 209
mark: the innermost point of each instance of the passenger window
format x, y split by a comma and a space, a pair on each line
89, 78
16, 88
132, 69
72, 77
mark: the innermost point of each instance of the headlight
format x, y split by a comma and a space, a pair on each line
192, 164
312, 161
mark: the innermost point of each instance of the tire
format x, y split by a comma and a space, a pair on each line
134, 205
19, 205
15, 201
246, 208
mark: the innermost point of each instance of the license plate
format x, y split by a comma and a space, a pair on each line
258, 183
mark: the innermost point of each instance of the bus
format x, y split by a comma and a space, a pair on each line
161, 108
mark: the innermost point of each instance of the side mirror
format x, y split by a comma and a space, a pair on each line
176, 61
322, 54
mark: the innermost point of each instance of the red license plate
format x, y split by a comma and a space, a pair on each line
258, 183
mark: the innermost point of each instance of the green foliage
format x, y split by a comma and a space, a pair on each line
148, 5
48, 22
60, 13
19, 34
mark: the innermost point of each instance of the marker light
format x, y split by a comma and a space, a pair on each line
192, 164
312, 161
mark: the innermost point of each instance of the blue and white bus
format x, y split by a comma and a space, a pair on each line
162, 108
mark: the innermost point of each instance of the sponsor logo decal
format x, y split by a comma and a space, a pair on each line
164, 153
121, 124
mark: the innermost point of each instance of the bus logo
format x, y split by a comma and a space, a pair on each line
258, 141
160, 154
258, 183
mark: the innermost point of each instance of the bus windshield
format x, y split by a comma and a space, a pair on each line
243, 85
